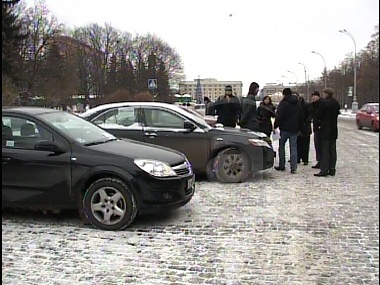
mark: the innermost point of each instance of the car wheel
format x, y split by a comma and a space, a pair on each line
232, 166
211, 170
359, 125
109, 204
373, 127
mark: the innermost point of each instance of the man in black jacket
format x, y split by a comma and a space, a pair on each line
227, 108
303, 140
248, 118
315, 102
327, 118
289, 120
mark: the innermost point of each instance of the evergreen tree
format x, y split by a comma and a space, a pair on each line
163, 88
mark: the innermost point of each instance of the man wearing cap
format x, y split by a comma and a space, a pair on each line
289, 120
327, 119
315, 102
227, 108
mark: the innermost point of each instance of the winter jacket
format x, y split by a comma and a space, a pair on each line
314, 107
248, 118
289, 115
307, 117
265, 113
228, 112
327, 118
209, 108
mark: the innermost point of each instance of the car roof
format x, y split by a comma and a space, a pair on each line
28, 110
129, 103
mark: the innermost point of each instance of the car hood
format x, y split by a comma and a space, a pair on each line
133, 149
226, 131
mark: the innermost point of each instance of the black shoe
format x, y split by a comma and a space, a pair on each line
316, 166
321, 174
305, 163
332, 172
292, 171
279, 168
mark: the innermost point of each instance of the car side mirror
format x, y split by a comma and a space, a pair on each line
189, 126
48, 146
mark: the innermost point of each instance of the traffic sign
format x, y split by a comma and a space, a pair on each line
152, 83
349, 93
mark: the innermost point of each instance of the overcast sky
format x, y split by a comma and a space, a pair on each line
243, 40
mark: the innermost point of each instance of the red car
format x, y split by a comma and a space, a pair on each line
368, 117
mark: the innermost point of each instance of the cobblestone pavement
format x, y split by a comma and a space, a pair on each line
278, 228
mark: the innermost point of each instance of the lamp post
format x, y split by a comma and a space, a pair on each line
284, 76
306, 80
354, 102
294, 76
324, 71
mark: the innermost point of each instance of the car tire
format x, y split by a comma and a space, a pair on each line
211, 169
232, 166
359, 125
109, 204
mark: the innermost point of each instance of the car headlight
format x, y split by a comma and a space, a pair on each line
155, 167
257, 142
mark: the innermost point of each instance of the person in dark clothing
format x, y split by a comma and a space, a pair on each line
327, 117
289, 121
303, 140
248, 118
265, 112
208, 106
315, 102
227, 108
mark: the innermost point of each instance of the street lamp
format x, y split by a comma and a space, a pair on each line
284, 76
294, 76
306, 80
325, 71
354, 102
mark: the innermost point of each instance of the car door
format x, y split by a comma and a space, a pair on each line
166, 128
361, 115
29, 175
122, 122
369, 115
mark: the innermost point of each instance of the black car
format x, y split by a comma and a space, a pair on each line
226, 154
56, 160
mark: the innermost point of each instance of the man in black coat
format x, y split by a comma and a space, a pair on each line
248, 118
289, 120
315, 102
227, 108
303, 140
327, 118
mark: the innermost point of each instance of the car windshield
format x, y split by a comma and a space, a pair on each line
195, 116
76, 128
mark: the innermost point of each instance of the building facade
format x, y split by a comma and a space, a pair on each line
274, 91
210, 88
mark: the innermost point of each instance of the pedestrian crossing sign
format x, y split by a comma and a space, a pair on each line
152, 83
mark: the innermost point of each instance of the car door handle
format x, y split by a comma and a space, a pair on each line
152, 135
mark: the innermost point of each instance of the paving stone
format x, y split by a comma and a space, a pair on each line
278, 228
